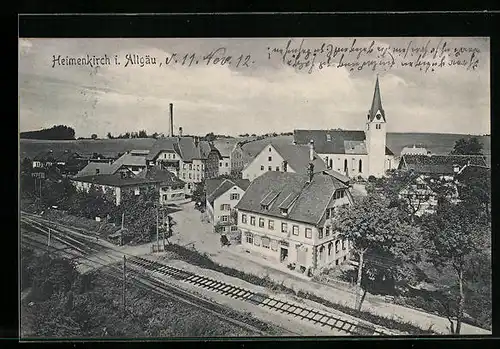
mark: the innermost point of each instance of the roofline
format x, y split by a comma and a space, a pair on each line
79, 179
324, 209
282, 217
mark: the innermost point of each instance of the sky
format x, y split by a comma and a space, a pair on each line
267, 96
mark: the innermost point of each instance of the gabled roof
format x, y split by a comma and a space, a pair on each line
297, 157
439, 164
310, 199
157, 174
224, 146
115, 180
90, 169
128, 159
328, 141
217, 186
376, 104
186, 147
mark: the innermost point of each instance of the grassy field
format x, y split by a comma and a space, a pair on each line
435, 142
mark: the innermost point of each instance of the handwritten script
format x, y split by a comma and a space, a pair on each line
356, 55
429, 57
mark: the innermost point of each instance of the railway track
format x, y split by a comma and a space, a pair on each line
316, 317
319, 318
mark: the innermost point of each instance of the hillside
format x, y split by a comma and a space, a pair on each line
436, 143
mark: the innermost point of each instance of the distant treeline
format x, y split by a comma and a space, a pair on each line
273, 134
59, 132
143, 134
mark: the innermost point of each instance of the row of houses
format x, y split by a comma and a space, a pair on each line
287, 216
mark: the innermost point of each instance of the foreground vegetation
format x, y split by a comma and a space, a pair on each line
64, 304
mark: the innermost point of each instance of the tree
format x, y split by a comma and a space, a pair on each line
142, 134
372, 225
93, 136
59, 132
474, 188
465, 146
457, 239
109, 135
210, 137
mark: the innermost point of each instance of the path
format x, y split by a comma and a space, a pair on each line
189, 229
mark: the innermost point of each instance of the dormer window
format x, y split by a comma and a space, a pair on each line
284, 211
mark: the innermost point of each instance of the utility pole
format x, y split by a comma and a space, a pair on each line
124, 277
48, 240
121, 230
165, 225
157, 231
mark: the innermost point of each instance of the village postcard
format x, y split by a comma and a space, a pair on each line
257, 187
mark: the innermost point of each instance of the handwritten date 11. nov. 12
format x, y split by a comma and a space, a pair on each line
216, 57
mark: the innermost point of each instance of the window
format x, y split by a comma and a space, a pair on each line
270, 224
330, 245
262, 168
234, 228
328, 211
249, 238
256, 240
189, 185
198, 167
184, 166
328, 138
190, 176
261, 222
327, 231
284, 228
244, 218
252, 220
269, 148
224, 218
277, 168
198, 176
320, 233
235, 196
337, 246
165, 197
345, 165
270, 158
274, 245
220, 163
222, 207
265, 242
343, 245
169, 156
190, 166
360, 169
227, 165
309, 233
137, 191
269, 168
295, 230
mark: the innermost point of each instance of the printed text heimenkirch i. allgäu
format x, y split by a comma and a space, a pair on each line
88, 60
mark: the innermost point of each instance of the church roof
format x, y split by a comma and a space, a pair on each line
334, 141
376, 104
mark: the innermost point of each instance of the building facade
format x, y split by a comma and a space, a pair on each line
355, 153
283, 158
190, 159
287, 217
222, 197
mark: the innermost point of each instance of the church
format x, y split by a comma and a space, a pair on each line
354, 153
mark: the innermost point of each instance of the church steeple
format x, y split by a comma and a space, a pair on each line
376, 111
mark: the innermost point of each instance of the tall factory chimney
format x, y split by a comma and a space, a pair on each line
171, 124
180, 131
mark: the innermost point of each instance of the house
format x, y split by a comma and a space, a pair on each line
134, 161
287, 217
188, 158
355, 153
222, 195
283, 158
225, 148
441, 170
442, 166
171, 188
68, 162
124, 182
414, 150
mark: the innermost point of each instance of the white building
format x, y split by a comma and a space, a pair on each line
283, 158
222, 195
287, 217
355, 153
